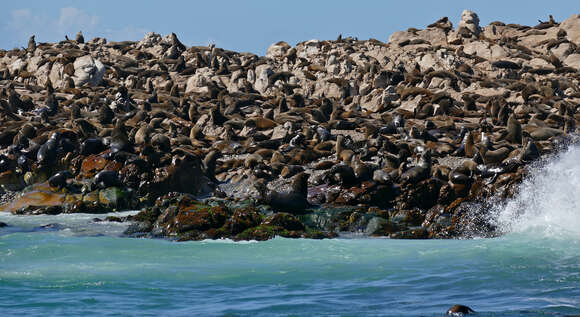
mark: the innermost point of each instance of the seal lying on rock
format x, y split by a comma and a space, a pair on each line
59, 180
420, 172
292, 201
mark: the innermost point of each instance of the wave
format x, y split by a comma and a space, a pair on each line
548, 202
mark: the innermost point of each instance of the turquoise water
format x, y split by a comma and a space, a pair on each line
85, 268
50, 273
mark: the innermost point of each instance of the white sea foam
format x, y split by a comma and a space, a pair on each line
548, 203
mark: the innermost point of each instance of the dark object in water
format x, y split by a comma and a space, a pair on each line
459, 310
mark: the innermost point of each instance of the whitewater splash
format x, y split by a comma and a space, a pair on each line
548, 203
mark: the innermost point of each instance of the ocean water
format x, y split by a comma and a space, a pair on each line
77, 267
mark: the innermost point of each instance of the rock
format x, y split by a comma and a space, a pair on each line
88, 70
350, 117
470, 21
263, 73
242, 219
375, 226
277, 50
573, 60
199, 82
572, 28
149, 40
284, 220
113, 197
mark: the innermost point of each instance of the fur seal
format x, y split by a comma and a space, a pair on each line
47, 153
514, 130
209, 163
459, 310
105, 179
79, 38
92, 146
382, 176
341, 174
293, 201
420, 172
119, 138
494, 156
362, 171
31, 44
161, 142
59, 180
530, 152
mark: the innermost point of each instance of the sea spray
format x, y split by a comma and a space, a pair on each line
548, 200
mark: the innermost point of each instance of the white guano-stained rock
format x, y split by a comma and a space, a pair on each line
88, 70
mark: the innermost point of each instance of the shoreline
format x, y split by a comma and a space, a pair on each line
410, 139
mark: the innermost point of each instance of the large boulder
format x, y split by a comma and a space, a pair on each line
200, 82
149, 40
263, 73
88, 70
573, 60
277, 50
470, 21
572, 28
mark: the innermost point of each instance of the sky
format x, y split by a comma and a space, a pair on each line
252, 26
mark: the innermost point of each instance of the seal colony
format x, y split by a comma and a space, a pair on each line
413, 138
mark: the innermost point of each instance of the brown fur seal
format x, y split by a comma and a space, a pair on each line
459, 310
293, 201
530, 152
31, 45
420, 172
514, 130
362, 171
495, 156
119, 138
59, 180
209, 163
79, 38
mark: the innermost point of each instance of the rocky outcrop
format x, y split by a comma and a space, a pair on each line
412, 138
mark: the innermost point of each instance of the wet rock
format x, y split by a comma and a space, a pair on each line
401, 139
285, 221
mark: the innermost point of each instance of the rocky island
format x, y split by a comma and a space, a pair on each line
412, 138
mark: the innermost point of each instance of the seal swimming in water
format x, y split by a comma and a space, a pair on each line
459, 310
